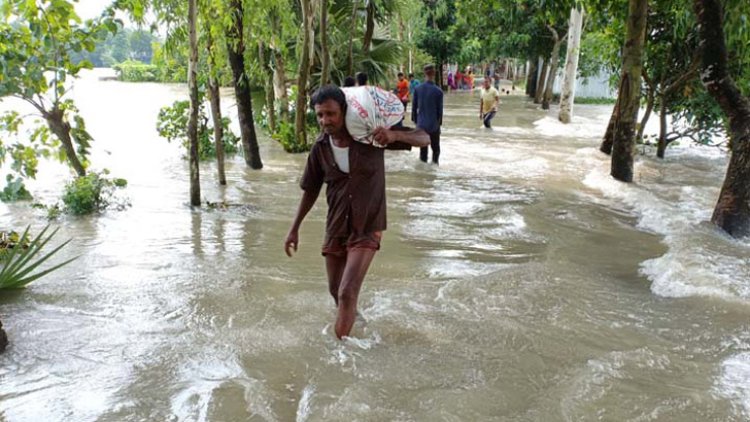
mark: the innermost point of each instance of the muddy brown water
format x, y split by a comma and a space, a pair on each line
516, 282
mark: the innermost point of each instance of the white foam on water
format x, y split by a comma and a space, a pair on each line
203, 377
701, 261
509, 224
303, 408
579, 127
734, 382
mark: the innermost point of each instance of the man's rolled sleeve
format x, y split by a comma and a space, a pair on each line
313, 176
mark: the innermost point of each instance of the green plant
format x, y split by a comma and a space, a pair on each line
90, 193
14, 190
135, 71
595, 100
19, 258
285, 135
172, 121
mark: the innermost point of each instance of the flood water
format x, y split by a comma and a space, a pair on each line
516, 282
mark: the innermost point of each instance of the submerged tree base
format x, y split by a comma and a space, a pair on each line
3, 338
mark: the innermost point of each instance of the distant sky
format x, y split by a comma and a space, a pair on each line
88, 9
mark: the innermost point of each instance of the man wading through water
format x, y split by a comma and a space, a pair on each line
355, 175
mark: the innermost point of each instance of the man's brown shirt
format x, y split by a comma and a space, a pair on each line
356, 201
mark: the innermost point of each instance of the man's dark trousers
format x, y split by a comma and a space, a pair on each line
435, 145
488, 118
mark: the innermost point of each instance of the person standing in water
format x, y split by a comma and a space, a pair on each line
354, 173
413, 84
427, 112
402, 89
489, 99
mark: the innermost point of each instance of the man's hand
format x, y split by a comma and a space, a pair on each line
291, 242
384, 136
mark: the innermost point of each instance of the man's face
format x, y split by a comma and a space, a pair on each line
486, 83
330, 117
401, 78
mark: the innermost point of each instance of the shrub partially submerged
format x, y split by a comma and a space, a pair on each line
172, 123
90, 193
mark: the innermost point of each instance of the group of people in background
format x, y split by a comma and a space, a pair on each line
460, 80
427, 105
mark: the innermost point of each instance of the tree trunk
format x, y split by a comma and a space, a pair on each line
192, 129
531, 80
540, 84
279, 85
264, 57
411, 50
352, 32
215, 101
609, 135
630, 92
236, 56
279, 70
554, 59
61, 129
401, 39
732, 211
651, 92
662, 145
304, 70
568, 91
3, 339
325, 59
369, 26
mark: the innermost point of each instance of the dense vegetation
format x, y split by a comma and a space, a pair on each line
287, 48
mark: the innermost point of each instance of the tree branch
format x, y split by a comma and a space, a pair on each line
33, 103
690, 73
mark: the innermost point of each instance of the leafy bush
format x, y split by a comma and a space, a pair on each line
14, 190
18, 257
135, 71
172, 124
595, 100
285, 132
287, 137
90, 193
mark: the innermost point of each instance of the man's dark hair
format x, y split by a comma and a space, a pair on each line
411, 75
329, 92
400, 74
349, 81
429, 68
361, 78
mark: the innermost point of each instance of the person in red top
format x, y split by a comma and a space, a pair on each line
402, 89
354, 175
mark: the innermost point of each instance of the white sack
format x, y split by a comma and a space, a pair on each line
369, 107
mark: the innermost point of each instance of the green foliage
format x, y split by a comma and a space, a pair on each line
14, 190
19, 257
286, 136
594, 100
135, 71
36, 65
122, 45
90, 193
172, 121
170, 66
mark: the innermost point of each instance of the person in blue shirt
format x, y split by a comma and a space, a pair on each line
427, 112
413, 84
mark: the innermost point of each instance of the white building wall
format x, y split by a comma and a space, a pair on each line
596, 86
